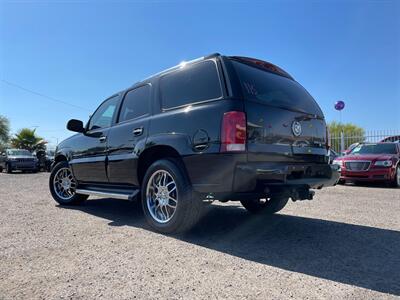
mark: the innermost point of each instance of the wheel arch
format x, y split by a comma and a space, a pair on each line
60, 157
154, 153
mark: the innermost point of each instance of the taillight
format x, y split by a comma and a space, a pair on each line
233, 132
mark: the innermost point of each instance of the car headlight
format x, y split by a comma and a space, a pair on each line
338, 162
383, 163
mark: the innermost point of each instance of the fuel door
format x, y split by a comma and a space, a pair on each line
201, 140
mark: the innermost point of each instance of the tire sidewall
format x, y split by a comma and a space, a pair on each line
183, 192
72, 200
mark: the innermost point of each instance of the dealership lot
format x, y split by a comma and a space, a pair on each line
344, 244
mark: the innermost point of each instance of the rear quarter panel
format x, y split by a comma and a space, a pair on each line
182, 128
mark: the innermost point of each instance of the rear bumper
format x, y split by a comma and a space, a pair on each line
232, 173
381, 174
258, 176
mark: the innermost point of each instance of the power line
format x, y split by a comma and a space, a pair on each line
43, 95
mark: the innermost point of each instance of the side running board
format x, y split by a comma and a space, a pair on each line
125, 195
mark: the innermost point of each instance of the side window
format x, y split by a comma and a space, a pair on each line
190, 84
103, 116
135, 104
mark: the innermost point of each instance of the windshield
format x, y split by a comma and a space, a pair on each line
19, 152
375, 149
274, 89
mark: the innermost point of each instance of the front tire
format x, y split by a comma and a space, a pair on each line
396, 182
167, 199
269, 206
63, 184
8, 168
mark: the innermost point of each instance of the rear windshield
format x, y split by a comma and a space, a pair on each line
274, 89
375, 149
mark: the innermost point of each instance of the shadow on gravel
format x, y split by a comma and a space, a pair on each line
363, 256
376, 185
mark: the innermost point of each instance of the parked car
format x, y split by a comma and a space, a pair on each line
393, 139
371, 162
46, 159
332, 155
49, 159
18, 159
219, 127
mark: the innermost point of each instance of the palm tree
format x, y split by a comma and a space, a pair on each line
4, 132
27, 139
4, 129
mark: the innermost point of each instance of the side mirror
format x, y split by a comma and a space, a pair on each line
75, 125
3, 154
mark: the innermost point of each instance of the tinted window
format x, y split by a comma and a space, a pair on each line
274, 89
103, 116
190, 84
136, 103
375, 149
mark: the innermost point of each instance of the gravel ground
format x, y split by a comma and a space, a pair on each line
345, 244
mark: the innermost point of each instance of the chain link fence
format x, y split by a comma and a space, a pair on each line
342, 141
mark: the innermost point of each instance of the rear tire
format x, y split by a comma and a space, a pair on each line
168, 202
1, 169
58, 189
269, 206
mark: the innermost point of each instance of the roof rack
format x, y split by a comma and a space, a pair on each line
181, 64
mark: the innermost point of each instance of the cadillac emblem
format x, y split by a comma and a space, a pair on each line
296, 128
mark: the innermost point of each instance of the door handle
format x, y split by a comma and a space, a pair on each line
102, 139
137, 131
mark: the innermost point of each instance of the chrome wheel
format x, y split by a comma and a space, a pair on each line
161, 196
64, 184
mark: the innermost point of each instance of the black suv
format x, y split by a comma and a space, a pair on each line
215, 128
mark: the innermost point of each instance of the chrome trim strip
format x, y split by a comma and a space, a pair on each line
183, 63
356, 161
90, 159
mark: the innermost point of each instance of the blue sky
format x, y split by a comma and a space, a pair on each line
83, 51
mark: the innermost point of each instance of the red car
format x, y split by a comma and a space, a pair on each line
371, 162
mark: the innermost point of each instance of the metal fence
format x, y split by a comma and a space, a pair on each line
343, 140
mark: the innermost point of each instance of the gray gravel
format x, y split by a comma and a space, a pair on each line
345, 244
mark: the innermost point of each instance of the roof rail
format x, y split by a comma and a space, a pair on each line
212, 55
181, 64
